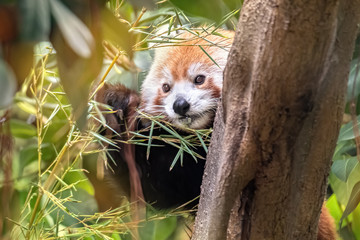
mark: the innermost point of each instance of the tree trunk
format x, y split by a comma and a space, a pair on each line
276, 130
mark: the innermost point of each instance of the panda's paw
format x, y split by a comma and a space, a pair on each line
123, 102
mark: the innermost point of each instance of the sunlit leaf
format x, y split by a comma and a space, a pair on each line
343, 168
354, 200
343, 189
115, 236
334, 208
158, 229
164, 228
42, 49
74, 31
355, 224
81, 179
27, 107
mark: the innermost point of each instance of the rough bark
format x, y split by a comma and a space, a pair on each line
275, 132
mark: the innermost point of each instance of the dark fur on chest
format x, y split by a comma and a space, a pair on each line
163, 188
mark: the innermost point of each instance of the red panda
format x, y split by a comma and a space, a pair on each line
184, 86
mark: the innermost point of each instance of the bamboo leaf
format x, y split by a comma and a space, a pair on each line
176, 158
103, 139
202, 141
189, 151
150, 140
209, 56
353, 202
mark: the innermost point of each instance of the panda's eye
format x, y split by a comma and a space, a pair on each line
199, 79
166, 87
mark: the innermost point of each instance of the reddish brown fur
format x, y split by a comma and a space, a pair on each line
159, 97
180, 58
109, 94
211, 86
326, 229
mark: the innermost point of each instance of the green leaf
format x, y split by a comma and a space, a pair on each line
347, 131
179, 153
115, 236
74, 31
7, 83
149, 4
22, 129
343, 189
150, 140
352, 75
354, 200
226, 18
158, 229
344, 148
34, 20
42, 49
164, 228
334, 207
116, 32
30, 153
81, 179
203, 8
343, 168
355, 224
103, 139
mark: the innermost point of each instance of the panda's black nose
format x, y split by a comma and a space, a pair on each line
181, 106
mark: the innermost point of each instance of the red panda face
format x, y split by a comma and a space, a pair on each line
184, 84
